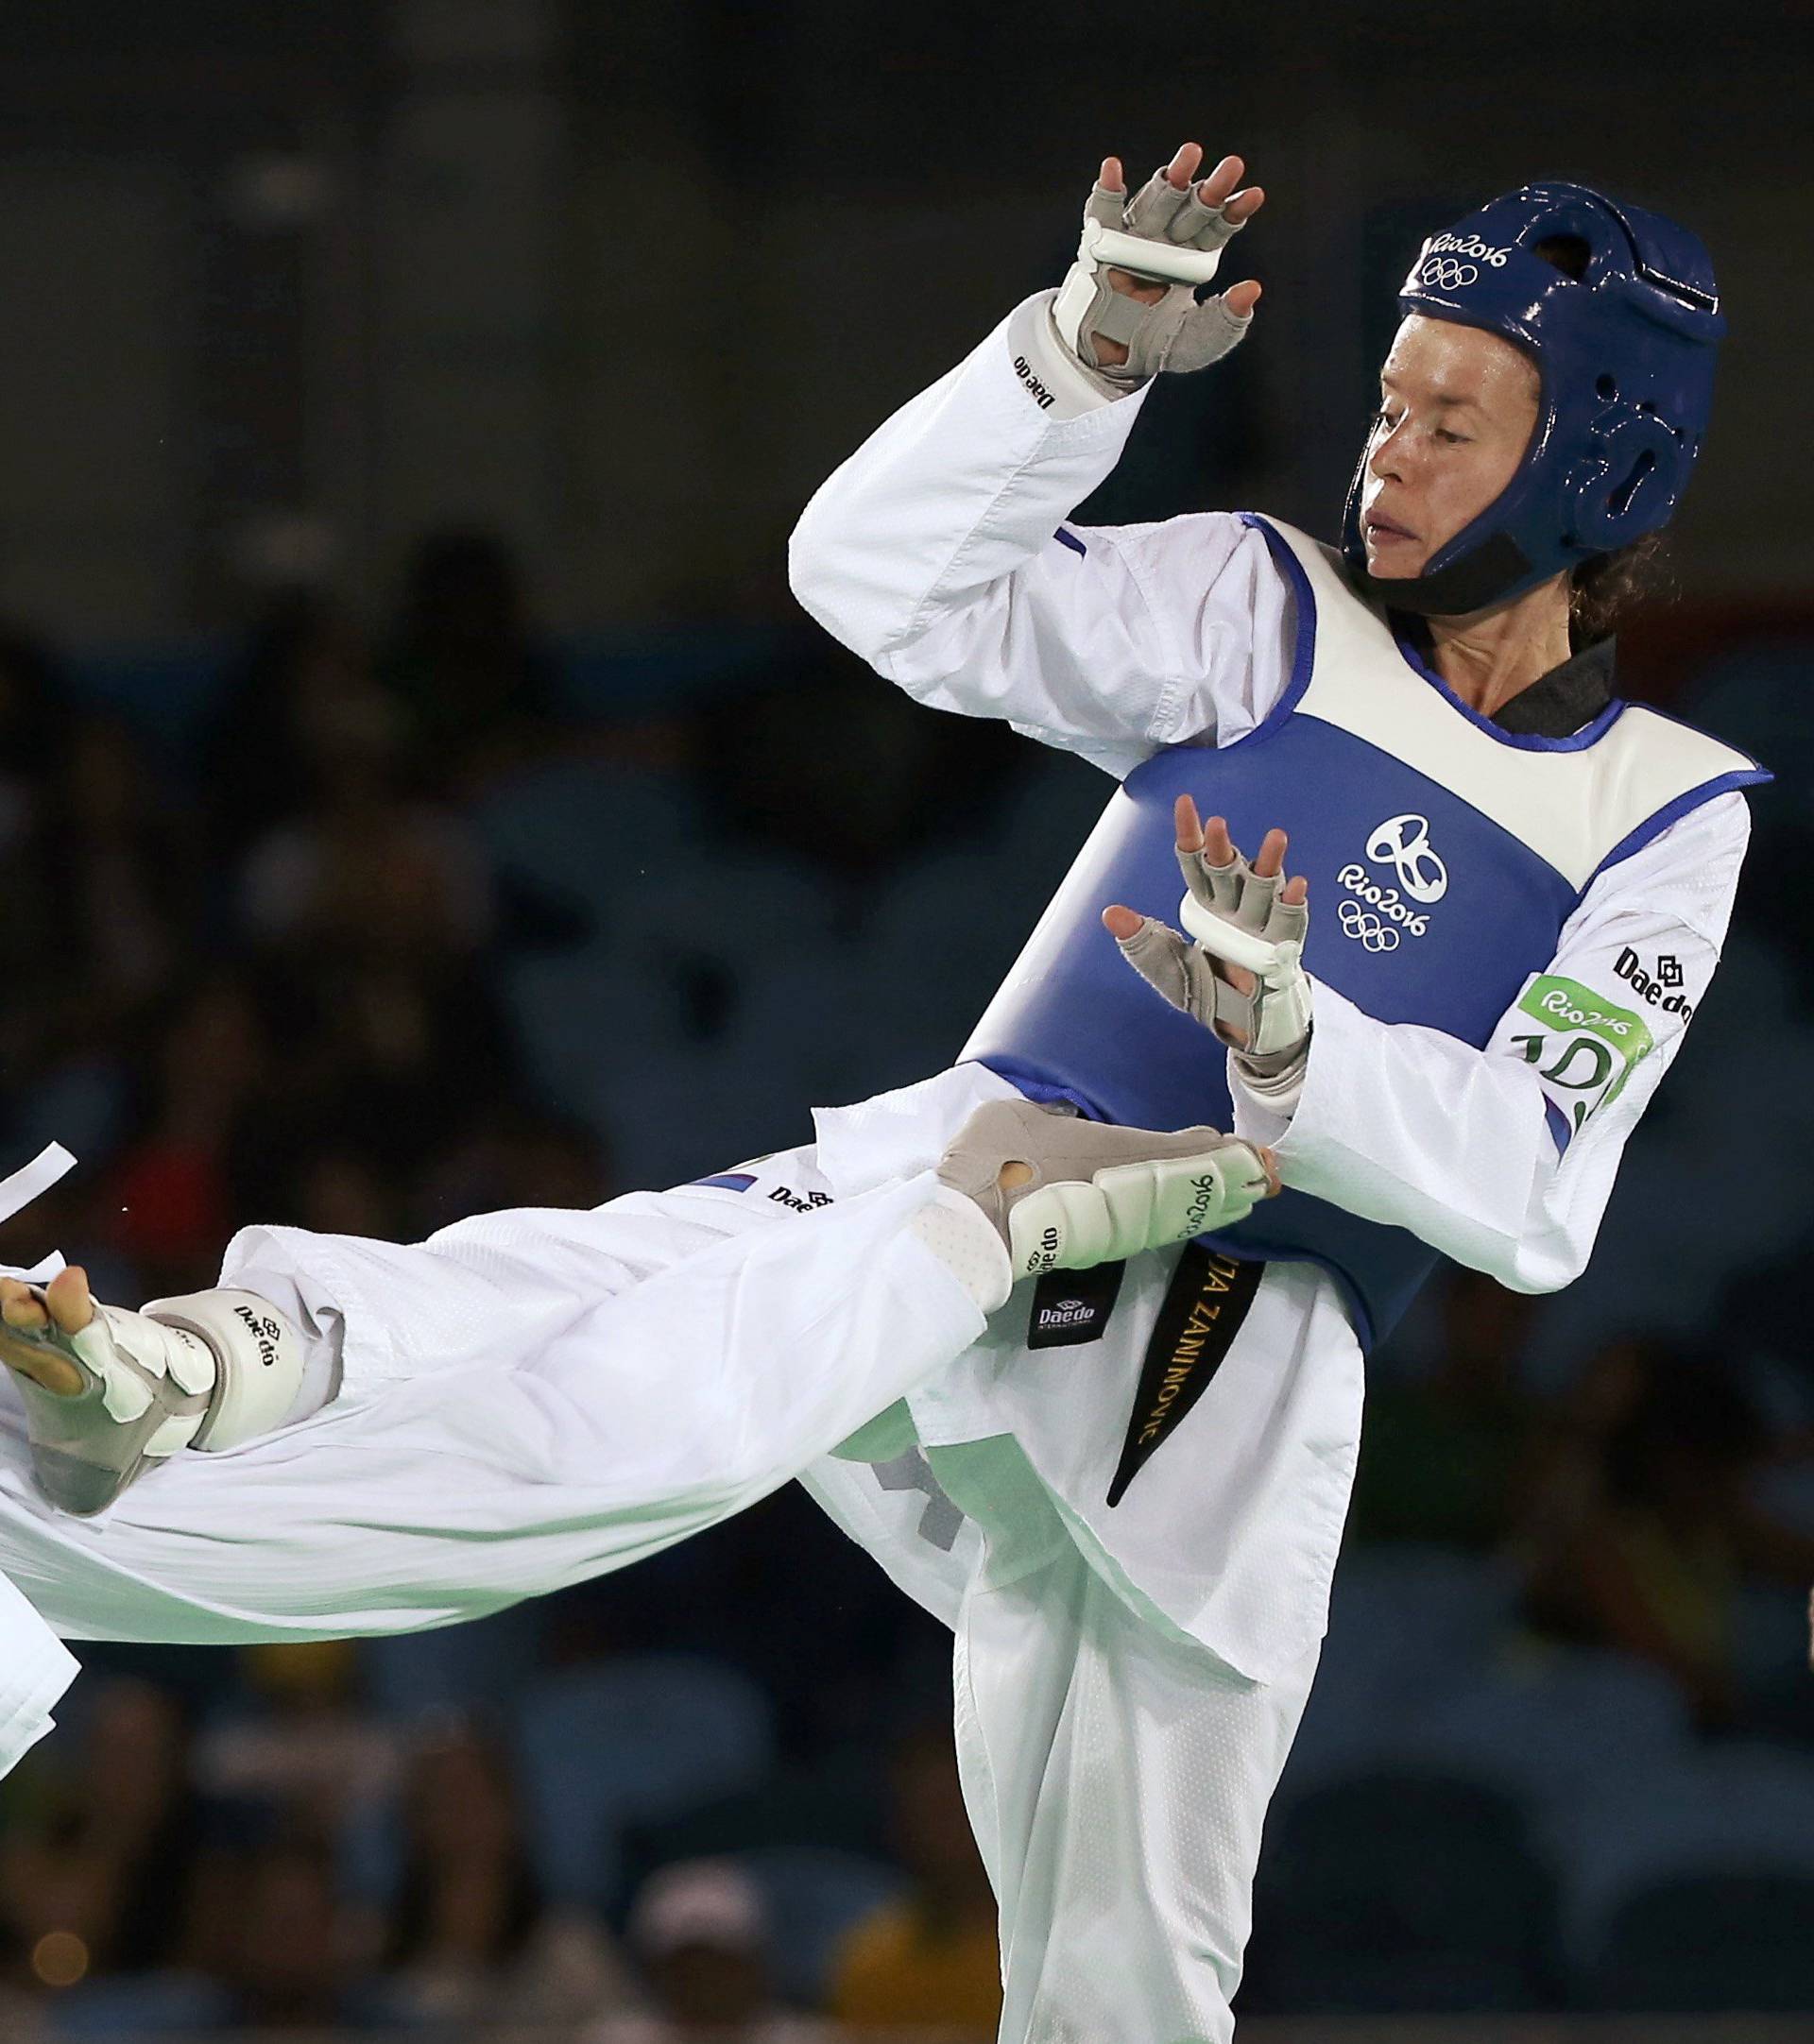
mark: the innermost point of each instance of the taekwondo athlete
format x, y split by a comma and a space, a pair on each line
1517, 888
1136, 1557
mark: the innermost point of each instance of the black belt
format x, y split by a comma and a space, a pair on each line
1202, 1313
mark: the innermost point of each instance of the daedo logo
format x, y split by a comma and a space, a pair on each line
1043, 1254
265, 1333
1036, 389
1654, 989
1066, 1313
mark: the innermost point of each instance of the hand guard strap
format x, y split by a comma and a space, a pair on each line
1274, 1019
1166, 236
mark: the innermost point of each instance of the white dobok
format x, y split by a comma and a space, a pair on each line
1129, 1679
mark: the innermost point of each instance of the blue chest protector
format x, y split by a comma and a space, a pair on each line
1425, 908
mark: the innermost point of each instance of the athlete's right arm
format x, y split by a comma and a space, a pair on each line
940, 553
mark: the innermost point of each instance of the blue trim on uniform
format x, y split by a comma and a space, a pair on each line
1304, 650
1672, 812
1070, 541
1047, 1092
730, 1181
1558, 1124
1589, 734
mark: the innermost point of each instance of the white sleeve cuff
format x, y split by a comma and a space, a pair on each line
963, 1239
1074, 388
1315, 1131
1260, 1118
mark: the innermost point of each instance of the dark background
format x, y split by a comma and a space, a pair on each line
419, 794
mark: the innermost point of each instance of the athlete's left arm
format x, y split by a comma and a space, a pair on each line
1503, 1158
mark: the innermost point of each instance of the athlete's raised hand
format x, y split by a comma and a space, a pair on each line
1154, 250
1241, 977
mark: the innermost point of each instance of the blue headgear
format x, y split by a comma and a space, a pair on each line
1625, 356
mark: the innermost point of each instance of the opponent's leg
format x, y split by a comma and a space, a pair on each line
1117, 1778
109, 1394
541, 1425
572, 1432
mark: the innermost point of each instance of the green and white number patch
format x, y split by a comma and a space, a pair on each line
1585, 1045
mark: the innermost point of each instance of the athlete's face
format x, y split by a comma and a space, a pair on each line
1457, 409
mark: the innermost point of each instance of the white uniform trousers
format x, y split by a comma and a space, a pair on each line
1117, 1775
532, 1398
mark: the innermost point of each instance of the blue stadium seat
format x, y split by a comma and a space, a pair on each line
481, 1664
585, 830
655, 670
1714, 1942
1568, 1725
1756, 696
1734, 1812
138, 2005
942, 934
1769, 1661
630, 1741
1660, 1252
1406, 1622
165, 688
814, 1897
1403, 1890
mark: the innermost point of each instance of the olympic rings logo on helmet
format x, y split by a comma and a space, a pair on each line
1403, 843
1366, 928
1446, 274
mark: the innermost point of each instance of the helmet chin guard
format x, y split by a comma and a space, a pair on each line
1625, 354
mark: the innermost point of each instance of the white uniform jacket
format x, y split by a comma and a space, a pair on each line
940, 553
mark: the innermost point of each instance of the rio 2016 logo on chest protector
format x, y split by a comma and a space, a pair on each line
1403, 843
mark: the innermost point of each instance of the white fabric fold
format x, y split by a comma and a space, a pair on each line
35, 1667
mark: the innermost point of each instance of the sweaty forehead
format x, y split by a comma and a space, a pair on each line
1444, 361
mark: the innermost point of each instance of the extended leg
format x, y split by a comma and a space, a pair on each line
532, 1398
551, 1429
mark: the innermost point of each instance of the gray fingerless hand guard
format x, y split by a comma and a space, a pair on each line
1169, 237
1238, 919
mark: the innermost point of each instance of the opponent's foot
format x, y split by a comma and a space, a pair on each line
109, 1394
1064, 1193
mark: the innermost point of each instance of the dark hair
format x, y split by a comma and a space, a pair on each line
1604, 590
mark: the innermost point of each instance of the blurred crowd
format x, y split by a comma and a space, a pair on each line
286, 1857
364, 929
